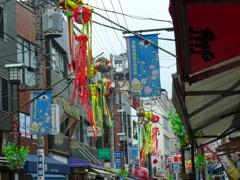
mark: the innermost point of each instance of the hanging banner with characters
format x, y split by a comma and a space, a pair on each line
144, 66
41, 120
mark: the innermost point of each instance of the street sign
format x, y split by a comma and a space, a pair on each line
40, 164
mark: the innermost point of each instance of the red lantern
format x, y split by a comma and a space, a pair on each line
155, 118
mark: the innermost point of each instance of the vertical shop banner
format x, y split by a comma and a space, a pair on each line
55, 119
134, 155
143, 66
41, 120
118, 158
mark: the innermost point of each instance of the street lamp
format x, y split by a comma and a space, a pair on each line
15, 78
121, 140
14, 72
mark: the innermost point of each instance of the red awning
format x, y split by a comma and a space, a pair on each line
206, 87
223, 20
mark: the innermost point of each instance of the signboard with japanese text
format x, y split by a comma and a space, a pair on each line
90, 132
15, 129
104, 153
118, 158
144, 66
40, 164
55, 119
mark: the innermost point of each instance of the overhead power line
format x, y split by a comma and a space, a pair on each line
127, 30
47, 89
133, 16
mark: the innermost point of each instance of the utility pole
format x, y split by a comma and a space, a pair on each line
39, 83
112, 144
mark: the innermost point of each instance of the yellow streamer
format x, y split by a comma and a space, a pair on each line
96, 109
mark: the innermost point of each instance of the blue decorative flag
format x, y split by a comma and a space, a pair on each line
144, 66
134, 155
41, 120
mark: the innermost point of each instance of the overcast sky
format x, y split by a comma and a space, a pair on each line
138, 15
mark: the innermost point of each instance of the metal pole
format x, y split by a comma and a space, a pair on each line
112, 144
122, 157
150, 166
39, 83
15, 124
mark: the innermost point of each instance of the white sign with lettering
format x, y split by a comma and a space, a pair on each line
90, 132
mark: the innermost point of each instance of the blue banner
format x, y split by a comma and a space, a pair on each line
41, 120
118, 158
134, 155
144, 66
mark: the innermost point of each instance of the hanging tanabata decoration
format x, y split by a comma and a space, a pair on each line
156, 133
58, 3
103, 65
82, 63
104, 85
155, 119
96, 108
140, 112
148, 115
147, 142
77, 15
80, 81
80, 59
71, 5
149, 138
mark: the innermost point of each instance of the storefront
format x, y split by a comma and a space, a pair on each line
54, 169
82, 169
5, 172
